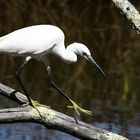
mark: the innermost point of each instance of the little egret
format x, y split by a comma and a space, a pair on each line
35, 42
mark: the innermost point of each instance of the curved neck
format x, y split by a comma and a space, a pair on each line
68, 54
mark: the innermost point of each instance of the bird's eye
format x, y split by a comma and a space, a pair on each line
84, 54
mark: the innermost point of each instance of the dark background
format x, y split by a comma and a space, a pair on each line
114, 99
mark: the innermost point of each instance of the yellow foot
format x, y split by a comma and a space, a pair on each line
36, 103
78, 109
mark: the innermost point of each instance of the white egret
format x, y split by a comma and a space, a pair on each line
35, 42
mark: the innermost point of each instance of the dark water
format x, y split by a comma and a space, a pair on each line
114, 99
31, 132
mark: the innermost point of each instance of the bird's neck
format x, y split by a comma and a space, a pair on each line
68, 54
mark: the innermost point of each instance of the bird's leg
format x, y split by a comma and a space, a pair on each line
18, 72
31, 102
74, 106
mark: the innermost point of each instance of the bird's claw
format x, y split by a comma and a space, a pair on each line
78, 109
35, 103
25, 104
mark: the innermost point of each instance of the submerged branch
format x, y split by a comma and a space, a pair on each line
50, 119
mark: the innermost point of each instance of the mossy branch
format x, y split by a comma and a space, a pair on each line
50, 119
130, 12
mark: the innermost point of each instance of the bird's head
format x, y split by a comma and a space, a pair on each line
83, 51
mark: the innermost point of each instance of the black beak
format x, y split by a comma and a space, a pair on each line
94, 62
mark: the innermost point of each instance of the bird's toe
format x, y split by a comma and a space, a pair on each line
78, 109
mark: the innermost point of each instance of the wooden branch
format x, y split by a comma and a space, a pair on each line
13, 94
50, 119
130, 13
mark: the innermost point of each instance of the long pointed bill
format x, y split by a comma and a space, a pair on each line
94, 62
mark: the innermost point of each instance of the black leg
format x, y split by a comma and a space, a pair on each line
58, 89
46, 62
54, 85
74, 105
20, 81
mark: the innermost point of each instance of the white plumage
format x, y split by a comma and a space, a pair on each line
36, 42
31, 40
